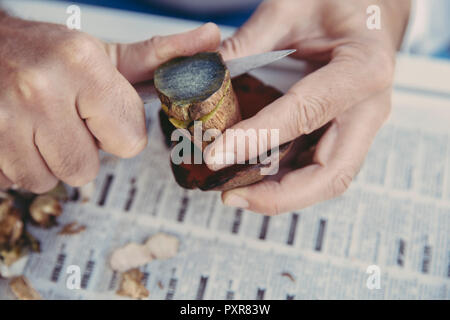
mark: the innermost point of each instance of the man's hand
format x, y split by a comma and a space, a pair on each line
64, 94
351, 90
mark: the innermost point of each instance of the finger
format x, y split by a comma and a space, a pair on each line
137, 61
265, 29
113, 111
5, 183
69, 150
23, 165
339, 156
355, 74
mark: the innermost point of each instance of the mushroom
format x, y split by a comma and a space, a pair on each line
196, 88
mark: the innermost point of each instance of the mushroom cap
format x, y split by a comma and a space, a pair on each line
193, 79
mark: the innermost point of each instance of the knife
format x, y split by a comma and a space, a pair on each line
243, 65
235, 66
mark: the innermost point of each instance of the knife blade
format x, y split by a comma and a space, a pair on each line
236, 66
243, 65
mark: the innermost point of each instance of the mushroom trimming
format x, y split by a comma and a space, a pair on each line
22, 289
131, 285
159, 247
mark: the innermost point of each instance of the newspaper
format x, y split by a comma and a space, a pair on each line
393, 223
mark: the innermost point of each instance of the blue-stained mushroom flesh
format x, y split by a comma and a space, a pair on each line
193, 79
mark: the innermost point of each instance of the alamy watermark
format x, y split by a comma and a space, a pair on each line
73, 22
250, 146
373, 21
73, 281
374, 280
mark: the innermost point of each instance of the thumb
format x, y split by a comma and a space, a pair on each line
137, 61
258, 34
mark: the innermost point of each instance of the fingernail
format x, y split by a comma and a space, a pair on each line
220, 160
235, 201
216, 162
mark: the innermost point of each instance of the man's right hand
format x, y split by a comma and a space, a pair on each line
65, 94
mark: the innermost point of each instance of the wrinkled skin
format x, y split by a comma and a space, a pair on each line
65, 94
350, 90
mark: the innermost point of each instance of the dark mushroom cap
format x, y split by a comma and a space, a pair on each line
188, 80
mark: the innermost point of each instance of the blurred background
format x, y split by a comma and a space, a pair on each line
229, 12
429, 35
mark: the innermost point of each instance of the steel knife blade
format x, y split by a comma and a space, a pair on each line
243, 65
